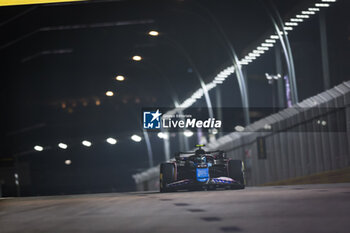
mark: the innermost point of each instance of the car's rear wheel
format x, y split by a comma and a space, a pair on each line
235, 170
167, 175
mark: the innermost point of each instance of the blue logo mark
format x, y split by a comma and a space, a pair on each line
202, 174
151, 120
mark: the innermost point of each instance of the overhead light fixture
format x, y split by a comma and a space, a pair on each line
111, 141
270, 41
222, 75
153, 33
254, 55
266, 44
270, 76
210, 86
62, 146
38, 148
262, 48
120, 78
137, 58
308, 12
239, 128
218, 81
314, 9
291, 24
198, 94
274, 37
163, 135
109, 93
288, 28
243, 62
303, 16
188, 133
296, 20
258, 51
267, 126
249, 58
136, 138
86, 143
213, 84
322, 4
68, 162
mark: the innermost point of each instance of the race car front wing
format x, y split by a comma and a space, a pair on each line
217, 182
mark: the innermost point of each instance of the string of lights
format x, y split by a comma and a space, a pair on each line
262, 48
110, 140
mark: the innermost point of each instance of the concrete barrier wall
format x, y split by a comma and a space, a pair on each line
310, 137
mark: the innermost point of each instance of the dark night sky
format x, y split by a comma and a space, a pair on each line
36, 83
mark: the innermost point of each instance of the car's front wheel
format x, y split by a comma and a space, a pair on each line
235, 170
166, 176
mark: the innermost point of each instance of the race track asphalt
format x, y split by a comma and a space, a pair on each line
276, 209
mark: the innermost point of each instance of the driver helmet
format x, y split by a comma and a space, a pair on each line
200, 152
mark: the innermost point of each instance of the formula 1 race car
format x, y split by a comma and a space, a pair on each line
201, 170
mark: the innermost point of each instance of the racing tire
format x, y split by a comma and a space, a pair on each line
235, 171
166, 176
